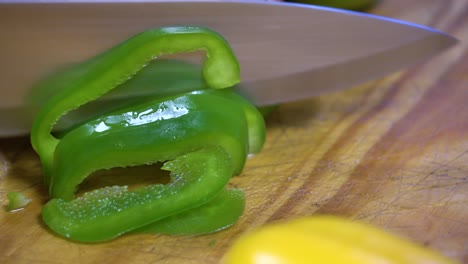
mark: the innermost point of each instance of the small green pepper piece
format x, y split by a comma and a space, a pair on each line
16, 201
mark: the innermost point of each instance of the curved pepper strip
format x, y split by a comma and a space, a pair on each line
219, 213
156, 131
205, 135
109, 212
161, 77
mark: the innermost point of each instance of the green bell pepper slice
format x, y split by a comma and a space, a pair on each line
203, 136
219, 213
109, 212
115, 66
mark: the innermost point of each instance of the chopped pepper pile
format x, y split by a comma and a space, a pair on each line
202, 136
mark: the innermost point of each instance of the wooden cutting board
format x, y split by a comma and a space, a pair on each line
393, 152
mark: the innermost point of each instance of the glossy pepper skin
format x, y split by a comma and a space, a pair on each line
202, 136
327, 239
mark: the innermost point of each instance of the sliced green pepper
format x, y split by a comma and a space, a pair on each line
156, 131
16, 201
106, 213
204, 136
219, 213
115, 66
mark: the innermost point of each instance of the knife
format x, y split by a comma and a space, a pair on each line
286, 51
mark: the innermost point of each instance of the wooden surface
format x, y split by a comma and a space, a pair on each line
393, 153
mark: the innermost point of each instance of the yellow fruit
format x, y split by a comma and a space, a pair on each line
327, 239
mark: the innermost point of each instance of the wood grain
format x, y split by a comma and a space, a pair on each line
392, 152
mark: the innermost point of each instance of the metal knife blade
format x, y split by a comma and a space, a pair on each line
286, 51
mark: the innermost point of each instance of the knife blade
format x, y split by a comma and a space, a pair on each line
286, 51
